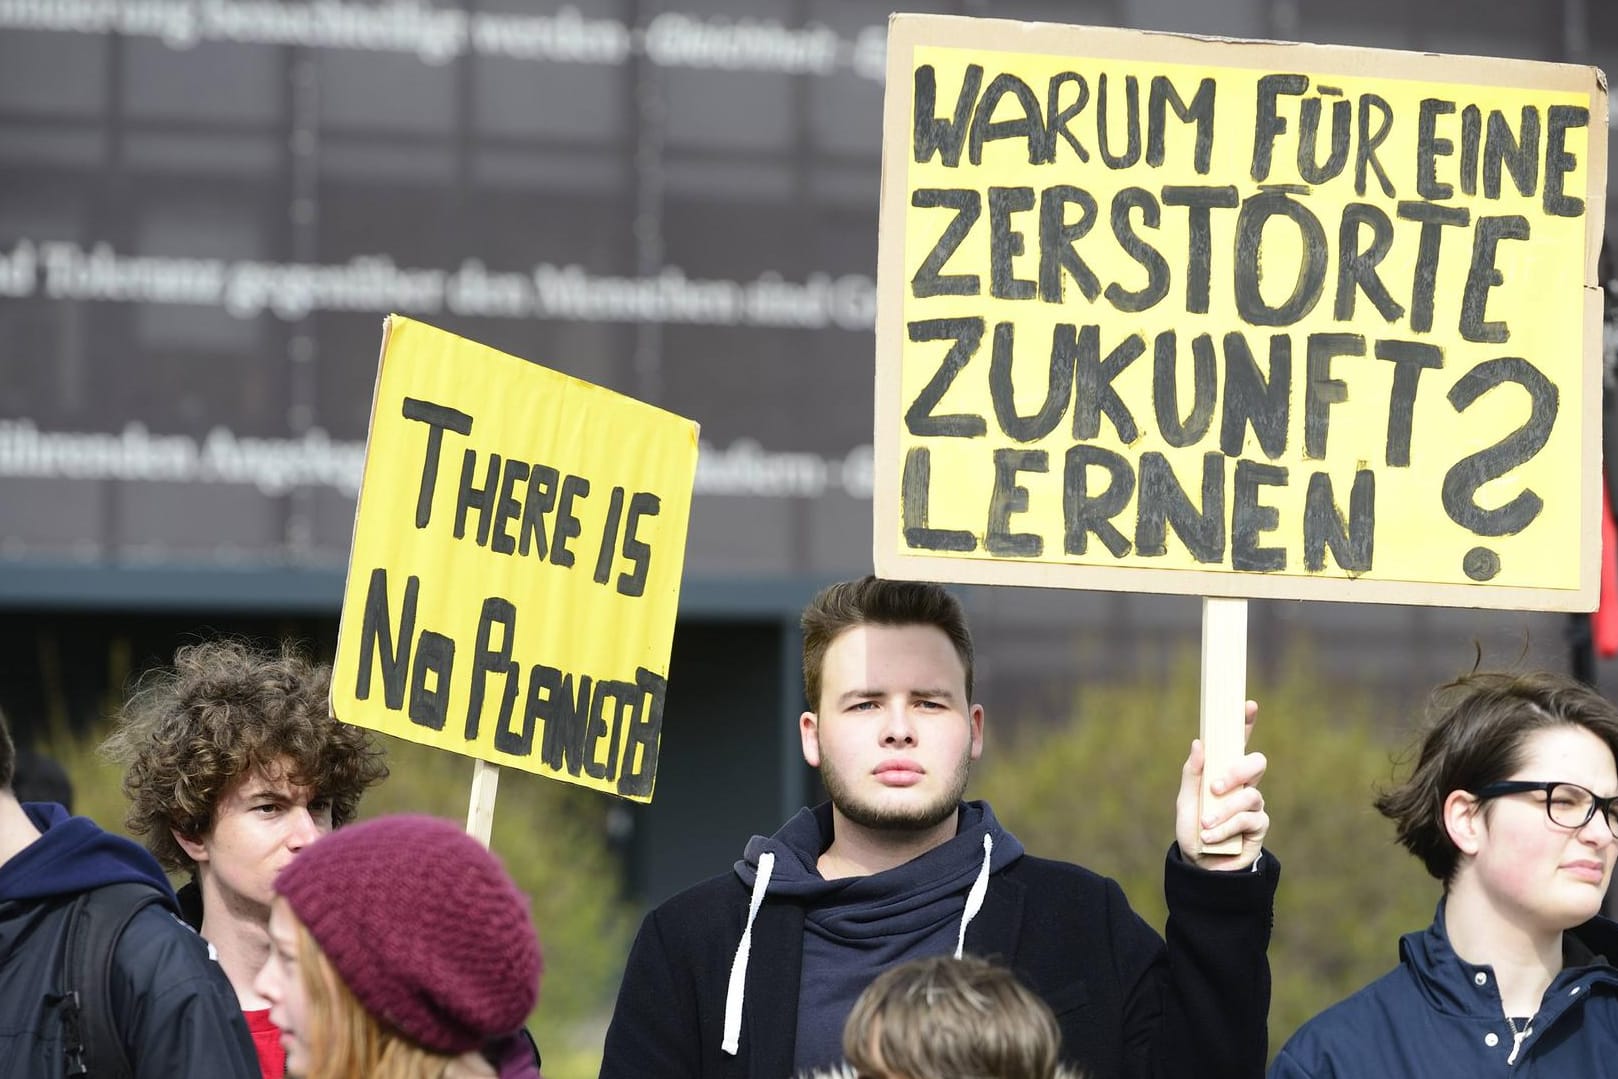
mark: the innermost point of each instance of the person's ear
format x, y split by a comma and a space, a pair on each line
975, 718
1463, 821
194, 848
809, 738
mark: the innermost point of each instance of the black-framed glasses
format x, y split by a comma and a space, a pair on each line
1568, 805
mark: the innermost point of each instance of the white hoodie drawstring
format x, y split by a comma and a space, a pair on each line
974, 898
737, 990
738, 966
1517, 1037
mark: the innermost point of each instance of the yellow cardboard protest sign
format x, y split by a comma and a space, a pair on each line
516, 565
1163, 313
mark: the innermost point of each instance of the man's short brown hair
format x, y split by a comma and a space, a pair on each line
1480, 725
948, 1018
227, 709
871, 601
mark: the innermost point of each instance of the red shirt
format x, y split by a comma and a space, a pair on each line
272, 1059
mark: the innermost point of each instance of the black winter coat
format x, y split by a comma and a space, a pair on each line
174, 1008
1129, 1006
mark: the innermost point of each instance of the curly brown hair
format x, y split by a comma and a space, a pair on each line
224, 710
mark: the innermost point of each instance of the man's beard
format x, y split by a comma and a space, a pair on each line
911, 818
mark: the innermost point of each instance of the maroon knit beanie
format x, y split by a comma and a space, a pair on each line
424, 926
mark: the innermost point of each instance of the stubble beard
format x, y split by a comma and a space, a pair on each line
902, 818
232, 905
245, 909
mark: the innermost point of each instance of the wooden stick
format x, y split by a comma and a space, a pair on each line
480, 812
1224, 699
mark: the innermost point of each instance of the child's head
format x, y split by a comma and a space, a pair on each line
947, 1018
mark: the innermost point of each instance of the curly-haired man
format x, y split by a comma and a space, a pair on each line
232, 764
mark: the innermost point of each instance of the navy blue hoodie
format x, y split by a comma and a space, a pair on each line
173, 1006
857, 927
73, 855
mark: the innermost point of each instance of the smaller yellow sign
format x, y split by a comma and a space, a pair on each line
515, 573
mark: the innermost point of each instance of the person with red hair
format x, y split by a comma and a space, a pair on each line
401, 949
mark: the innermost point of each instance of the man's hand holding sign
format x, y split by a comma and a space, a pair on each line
516, 566
1159, 313
1235, 319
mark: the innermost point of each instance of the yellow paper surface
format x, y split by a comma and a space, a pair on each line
1007, 494
545, 598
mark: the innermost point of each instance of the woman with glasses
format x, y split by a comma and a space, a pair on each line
1513, 805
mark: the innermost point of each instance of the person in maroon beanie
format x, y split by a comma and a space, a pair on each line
399, 947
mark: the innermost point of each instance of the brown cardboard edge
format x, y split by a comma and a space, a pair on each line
1109, 42
1232, 584
896, 104
388, 324
1590, 458
1595, 211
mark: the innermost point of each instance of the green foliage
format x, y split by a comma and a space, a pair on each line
1099, 789
97, 782
552, 839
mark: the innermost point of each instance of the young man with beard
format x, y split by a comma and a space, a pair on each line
233, 764
753, 973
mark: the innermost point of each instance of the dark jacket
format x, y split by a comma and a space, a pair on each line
857, 927
1436, 1014
174, 1007
1127, 1005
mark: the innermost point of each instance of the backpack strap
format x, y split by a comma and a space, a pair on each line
91, 1043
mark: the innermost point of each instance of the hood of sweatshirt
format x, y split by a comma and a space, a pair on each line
73, 855
897, 901
905, 901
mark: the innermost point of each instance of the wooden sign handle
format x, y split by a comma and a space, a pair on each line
480, 812
1224, 699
